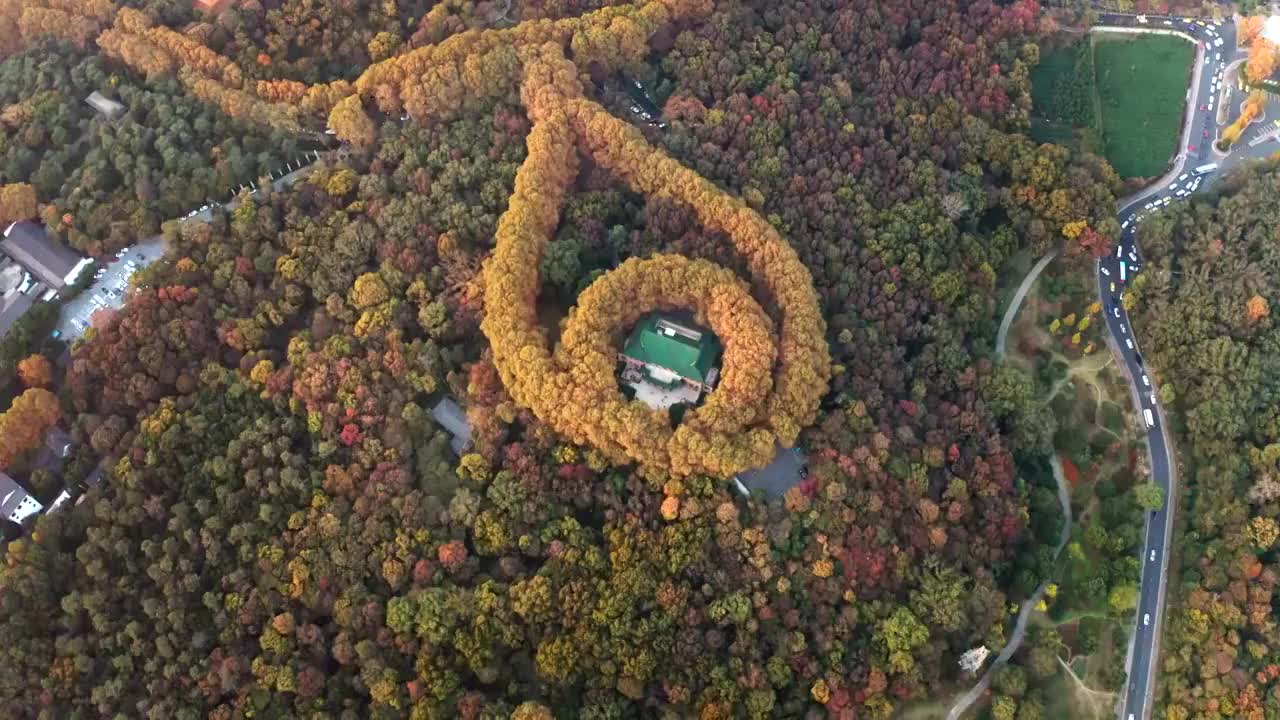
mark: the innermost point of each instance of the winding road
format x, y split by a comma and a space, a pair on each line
1197, 163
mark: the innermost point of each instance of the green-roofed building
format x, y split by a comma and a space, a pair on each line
673, 355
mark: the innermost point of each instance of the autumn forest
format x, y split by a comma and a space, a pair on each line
285, 531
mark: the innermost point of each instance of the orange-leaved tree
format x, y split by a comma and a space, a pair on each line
35, 371
23, 425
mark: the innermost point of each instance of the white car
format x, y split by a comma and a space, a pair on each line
1146, 381
1153, 556
1115, 311
1123, 330
1146, 619
1129, 343
1174, 185
1217, 57
1217, 43
1106, 271
1153, 398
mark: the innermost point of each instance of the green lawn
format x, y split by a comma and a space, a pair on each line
1142, 85
1119, 97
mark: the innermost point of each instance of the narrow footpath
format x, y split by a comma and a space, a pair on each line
1024, 613
1064, 497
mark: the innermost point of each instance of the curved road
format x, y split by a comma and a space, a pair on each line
1002, 335
1196, 164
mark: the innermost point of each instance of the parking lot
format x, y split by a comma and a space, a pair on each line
108, 290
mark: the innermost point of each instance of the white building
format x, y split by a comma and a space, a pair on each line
16, 503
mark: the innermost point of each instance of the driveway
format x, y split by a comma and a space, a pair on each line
108, 291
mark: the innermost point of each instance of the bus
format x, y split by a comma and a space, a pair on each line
1123, 266
1206, 168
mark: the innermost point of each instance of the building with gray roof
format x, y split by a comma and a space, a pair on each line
13, 305
453, 418
16, 503
51, 262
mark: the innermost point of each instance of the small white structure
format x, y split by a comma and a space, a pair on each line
105, 105
62, 498
972, 660
453, 418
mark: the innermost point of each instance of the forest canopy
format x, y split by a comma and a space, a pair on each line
284, 530
1202, 310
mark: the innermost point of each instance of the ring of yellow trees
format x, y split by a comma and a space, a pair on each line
575, 390
770, 389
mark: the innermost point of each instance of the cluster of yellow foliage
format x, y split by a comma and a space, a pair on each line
17, 202
1253, 106
574, 390
23, 425
22, 22
430, 83
1262, 59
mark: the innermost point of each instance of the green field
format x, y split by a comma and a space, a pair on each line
1119, 97
1142, 86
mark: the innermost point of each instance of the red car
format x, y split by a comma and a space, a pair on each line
1191, 148
1203, 106
1206, 133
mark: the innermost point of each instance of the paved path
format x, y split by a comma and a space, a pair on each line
1002, 335
1064, 497
1028, 606
1143, 651
110, 290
